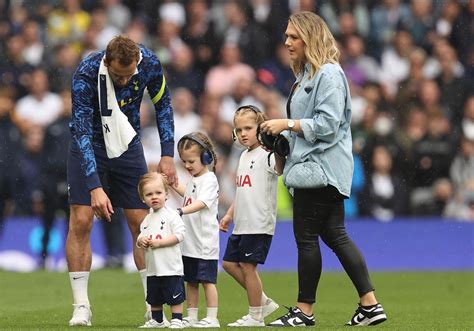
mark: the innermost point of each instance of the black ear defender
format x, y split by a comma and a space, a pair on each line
206, 155
252, 108
278, 144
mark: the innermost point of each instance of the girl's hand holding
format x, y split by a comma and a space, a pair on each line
224, 223
143, 242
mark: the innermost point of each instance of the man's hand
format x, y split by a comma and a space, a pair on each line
101, 204
166, 167
224, 223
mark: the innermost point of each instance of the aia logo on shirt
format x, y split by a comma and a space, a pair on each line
187, 201
241, 181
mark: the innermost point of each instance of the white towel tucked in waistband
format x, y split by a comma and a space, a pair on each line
117, 130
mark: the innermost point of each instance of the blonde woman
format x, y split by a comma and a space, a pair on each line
318, 170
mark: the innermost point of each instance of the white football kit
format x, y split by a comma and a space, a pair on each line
256, 193
163, 261
202, 227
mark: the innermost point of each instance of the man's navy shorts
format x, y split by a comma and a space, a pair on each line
248, 248
119, 177
199, 270
165, 290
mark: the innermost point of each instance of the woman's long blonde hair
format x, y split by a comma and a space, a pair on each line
320, 45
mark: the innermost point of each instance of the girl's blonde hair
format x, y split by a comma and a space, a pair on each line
250, 109
149, 177
320, 45
188, 142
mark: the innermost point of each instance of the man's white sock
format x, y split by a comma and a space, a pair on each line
143, 279
264, 299
79, 282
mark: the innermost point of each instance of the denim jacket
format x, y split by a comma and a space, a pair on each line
323, 106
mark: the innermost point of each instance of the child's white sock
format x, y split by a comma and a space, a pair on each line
79, 282
256, 313
193, 314
212, 312
264, 299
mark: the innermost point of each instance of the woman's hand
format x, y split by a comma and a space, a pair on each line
274, 127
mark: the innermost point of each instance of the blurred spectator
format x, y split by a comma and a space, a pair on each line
118, 15
53, 171
104, 31
467, 122
462, 176
242, 31
68, 23
40, 106
385, 18
407, 95
395, 65
384, 194
13, 68
354, 12
60, 72
222, 78
421, 22
185, 118
359, 67
433, 154
181, 72
240, 96
449, 12
275, 72
33, 51
9, 146
453, 89
29, 198
199, 34
167, 41
462, 32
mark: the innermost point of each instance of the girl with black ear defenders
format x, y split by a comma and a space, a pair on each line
254, 216
200, 249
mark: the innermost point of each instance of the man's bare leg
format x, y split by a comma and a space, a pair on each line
79, 260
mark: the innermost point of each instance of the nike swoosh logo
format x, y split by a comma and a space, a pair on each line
248, 254
176, 295
145, 227
76, 278
296, 323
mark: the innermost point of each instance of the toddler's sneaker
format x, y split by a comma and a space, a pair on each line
82, 315
189, 322
148, 317
176, 324
294, 317
246, 320
368, 316
207, 322
152, 324
269, 307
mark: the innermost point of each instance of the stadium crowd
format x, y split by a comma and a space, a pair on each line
410, 65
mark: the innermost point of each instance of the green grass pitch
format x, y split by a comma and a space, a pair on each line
412, 300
